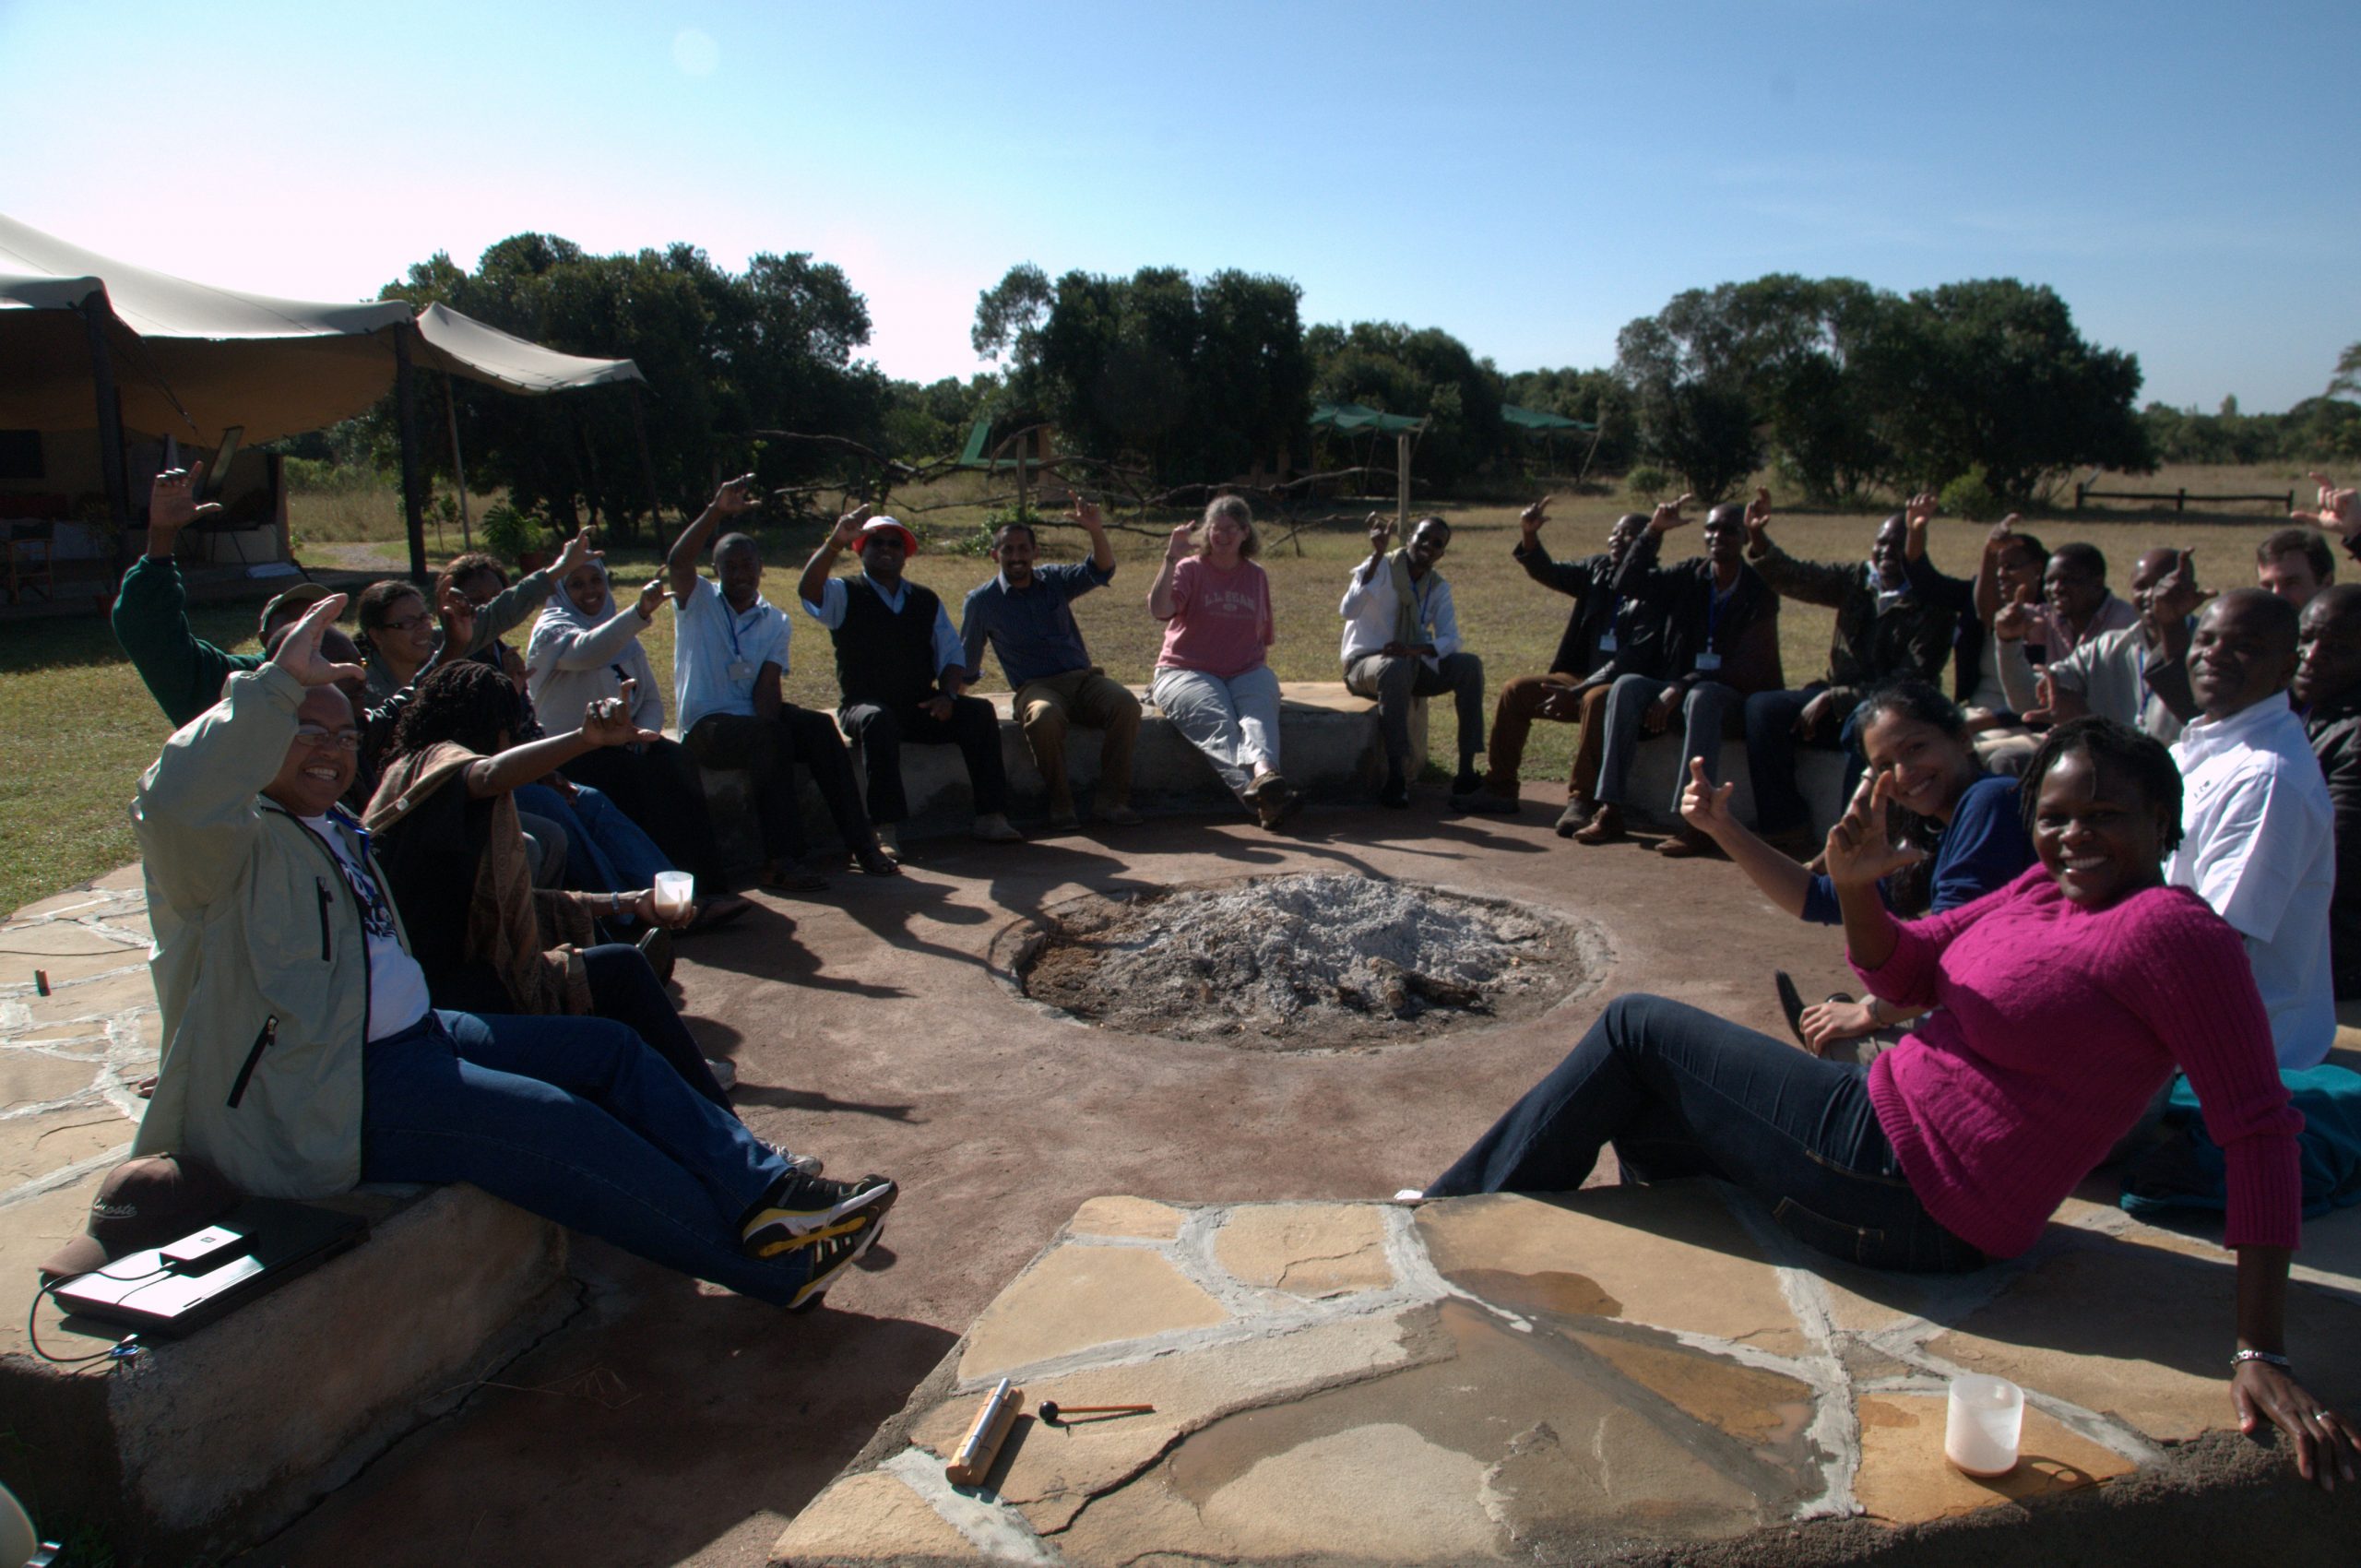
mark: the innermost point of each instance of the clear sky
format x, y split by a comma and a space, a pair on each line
1528, 176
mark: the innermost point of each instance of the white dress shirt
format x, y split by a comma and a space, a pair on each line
2258, 844
1370, 609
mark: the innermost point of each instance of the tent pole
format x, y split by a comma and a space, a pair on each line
459, 468
1402, 484
95, 312
647, 464
413, 495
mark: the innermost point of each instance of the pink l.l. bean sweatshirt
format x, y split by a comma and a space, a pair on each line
2058, 1024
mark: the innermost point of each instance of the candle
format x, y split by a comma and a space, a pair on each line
1982, 1424
676, 890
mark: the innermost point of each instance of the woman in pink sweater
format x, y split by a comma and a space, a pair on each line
2064, 1000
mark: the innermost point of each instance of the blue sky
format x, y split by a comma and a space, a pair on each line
1527, 176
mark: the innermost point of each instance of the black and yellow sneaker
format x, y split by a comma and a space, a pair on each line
832, 1257
800, 1210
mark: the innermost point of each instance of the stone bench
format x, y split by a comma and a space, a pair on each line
1660, 768
201, 1445
1328, 746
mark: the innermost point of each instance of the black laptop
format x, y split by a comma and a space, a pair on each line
167, 1292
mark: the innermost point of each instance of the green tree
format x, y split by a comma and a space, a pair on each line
1425, 373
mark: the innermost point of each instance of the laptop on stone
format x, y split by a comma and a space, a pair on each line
167, 1292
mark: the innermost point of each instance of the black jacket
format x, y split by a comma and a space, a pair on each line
2335, 732
1639, 636
1909, 637
1745, 634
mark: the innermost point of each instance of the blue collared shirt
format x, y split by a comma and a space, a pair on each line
1031, 629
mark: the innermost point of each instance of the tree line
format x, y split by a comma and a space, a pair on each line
1843, 389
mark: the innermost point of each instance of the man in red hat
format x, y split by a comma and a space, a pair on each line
902, 672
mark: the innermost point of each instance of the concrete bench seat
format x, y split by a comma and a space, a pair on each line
1660, 768
1328, 746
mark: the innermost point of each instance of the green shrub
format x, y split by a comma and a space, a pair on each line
507, 532
1971, 496
1648, 483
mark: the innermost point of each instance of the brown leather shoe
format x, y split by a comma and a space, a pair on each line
1579, 810
1606, 826
1687, 843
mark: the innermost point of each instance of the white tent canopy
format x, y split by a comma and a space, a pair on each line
193, 360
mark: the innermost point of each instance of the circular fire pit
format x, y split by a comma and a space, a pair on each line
1311, 962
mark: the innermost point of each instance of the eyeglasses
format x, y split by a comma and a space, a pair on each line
409, 624
312, 735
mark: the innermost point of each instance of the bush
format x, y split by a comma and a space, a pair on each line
1971, 496
1647, 482
507, 532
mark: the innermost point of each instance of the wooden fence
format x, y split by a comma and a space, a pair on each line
2179, 498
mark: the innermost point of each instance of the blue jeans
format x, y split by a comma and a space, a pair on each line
623, 988
1680, 1092
574, 1120
608, 852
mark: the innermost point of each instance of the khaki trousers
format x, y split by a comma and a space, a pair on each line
1552, 696
1047, 707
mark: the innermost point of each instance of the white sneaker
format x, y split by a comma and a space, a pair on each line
1411, 1195
889, 838
801, 1164
993, 827
724, 1073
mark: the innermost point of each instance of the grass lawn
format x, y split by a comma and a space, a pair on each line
77, 727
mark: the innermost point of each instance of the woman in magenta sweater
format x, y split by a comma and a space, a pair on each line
2066, 997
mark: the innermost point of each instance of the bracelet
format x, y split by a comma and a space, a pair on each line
2268, 1358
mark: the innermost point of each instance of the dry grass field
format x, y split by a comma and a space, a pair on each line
77, 727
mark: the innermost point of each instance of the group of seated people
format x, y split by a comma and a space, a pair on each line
2050, 911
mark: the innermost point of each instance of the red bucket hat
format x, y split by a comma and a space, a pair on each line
882, 525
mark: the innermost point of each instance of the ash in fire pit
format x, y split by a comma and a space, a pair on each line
1313, 962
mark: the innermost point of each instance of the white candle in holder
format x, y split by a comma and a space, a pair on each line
1985, 1417
675, 891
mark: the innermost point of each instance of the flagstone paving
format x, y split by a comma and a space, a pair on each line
1509, 1378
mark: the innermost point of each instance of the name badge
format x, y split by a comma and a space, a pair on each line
740, 670
1607, 642
1708, 659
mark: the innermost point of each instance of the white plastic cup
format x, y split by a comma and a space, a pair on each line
675, 891
1985, 1418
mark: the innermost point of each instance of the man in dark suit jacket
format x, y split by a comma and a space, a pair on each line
1605, 637
2327, 689
1721, 647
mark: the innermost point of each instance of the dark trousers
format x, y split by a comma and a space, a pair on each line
769, 749
1680, 1092
880, 732
656, 785
1771, 743
624, 989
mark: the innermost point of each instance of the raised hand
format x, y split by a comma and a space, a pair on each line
1666, 516
2339, 510
1181, 545
607, 721
2016, 619
2176, 595
1533, 516
1705, 806
1381, 532
1087, 515
848, 527
457, 614
736, 496
1918, 511
650, 598
2002, 532
576, 550
1758, 517
299, 651
1859, 850
172, 506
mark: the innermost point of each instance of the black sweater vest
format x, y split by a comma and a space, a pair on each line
882, 658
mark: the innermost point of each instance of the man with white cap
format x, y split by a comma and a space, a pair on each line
902, 672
